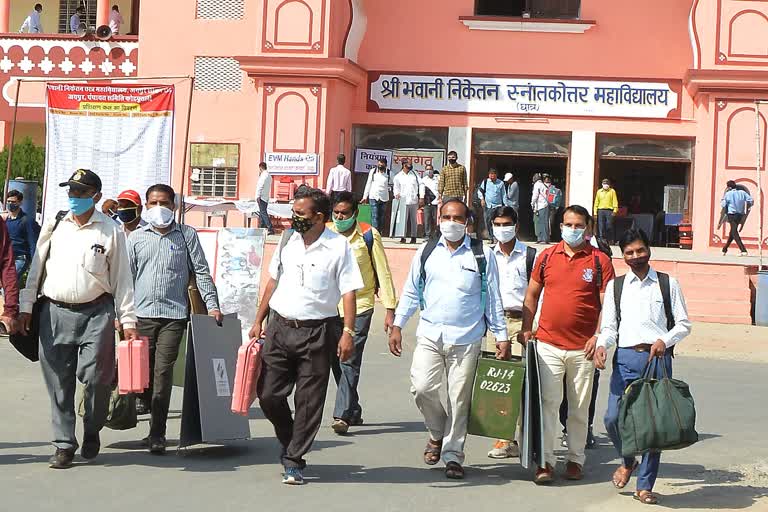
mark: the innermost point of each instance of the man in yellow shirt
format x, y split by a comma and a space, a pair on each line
606, 206
369, 251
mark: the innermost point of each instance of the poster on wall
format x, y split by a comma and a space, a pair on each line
292, 164
367, 159
124, 133
419, 158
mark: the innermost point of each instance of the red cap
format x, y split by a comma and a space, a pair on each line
130, 195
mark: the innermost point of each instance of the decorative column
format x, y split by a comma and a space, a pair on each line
102, 12
5, 15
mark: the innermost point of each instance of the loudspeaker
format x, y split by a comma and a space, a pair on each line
104, 32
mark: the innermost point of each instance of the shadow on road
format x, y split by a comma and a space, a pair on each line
387, 428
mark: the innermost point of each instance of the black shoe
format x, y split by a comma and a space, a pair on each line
402, 240
91, 447
62, 459
356, 422
413, 240
157, 446
591, 442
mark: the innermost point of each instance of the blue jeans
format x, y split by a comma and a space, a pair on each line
628, 366
264, 221
22, 264
605, 224
377, 214
347, 373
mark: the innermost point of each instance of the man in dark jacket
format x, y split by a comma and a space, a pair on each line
23, 231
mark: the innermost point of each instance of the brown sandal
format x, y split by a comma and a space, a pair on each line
646, 497
432, 452
620, 482
454, 471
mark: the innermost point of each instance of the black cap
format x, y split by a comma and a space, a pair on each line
83, 178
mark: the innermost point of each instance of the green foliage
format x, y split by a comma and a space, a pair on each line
28, 161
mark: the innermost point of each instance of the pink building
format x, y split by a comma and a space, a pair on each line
659, 96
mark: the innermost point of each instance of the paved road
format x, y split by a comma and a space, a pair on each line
377, 467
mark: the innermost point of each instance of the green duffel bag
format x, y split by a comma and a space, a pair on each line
656, 414
496, 398
122, 410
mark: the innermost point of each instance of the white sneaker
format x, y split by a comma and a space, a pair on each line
504, 450
744, 254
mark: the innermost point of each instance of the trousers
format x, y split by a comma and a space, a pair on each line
378, 208
540, 224
347, 373
734, 219
430, 220
297, 357
77, 345
572, 367
264, 220
605, 224
165, 337
628, 366
433, 363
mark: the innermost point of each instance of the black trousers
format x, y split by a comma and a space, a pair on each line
165, 336
734, 219
300, 357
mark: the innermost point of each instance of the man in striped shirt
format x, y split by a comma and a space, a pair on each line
163, 256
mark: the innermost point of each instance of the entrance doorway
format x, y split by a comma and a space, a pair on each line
523, 167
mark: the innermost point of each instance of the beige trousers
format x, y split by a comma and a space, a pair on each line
556, 365
514, 326
433, 363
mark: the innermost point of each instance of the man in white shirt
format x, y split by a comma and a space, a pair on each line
409, 196
515, 261
115, 20
377, 193
457, 305
82, 274
429, 192
32, 23
312, 270
644, 311
540, 207
263, 189
339, 179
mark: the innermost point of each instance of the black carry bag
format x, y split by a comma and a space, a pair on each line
28, 344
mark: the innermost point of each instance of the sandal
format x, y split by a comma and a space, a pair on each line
646, 497
432, 452
454, 471
620, 482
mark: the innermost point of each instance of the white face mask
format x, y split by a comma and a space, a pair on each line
573, 236
452, 231
606, 186
158, 216
504, 234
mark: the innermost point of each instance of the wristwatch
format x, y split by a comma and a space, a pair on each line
349, 331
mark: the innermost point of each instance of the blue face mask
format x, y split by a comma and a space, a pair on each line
80, 205
573, 236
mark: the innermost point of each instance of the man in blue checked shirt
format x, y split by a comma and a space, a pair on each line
163, 255
491, 193
737, 203
459, 296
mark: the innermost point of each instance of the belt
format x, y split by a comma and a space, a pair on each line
511, 313
297, 324
104, 297
643, 347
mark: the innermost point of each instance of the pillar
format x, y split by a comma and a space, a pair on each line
102, 12
5, 15
460, 141
581, 181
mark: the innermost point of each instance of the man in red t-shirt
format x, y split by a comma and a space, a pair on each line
573, 277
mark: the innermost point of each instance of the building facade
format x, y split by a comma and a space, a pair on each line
658, 96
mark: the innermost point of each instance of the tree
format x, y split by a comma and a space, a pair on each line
28, 161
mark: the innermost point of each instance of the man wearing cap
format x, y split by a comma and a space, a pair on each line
82, 276
512, 197
129, 211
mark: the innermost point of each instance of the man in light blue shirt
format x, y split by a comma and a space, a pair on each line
736, 203
456, 309
491, 193
76, 19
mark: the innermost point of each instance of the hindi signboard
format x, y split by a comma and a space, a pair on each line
124, 133
367, 159
419, 158
292, 164
510, 95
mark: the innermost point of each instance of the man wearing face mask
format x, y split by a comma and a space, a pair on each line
82, 274
163, 255
540, 207
573, 276
377, 193
409, 196
429, 193
377, 278
515, 261
129, 211
453, 180
23, 231
606, 207
454, 280
310, 272
654, 320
